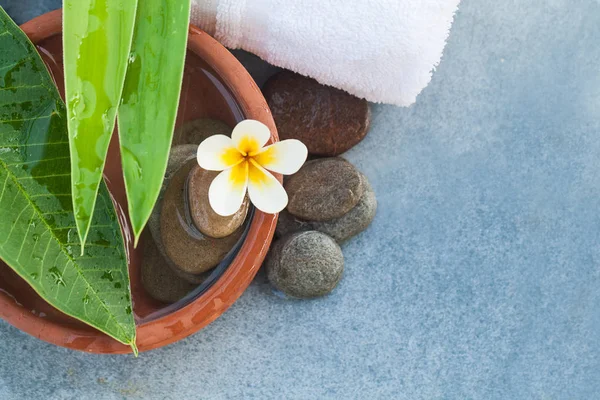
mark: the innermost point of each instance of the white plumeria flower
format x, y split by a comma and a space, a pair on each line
246, 163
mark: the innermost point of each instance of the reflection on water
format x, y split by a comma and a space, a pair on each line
203, 95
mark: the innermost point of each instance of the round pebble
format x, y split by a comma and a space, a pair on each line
341, 229
158, 278
196, 131
305, 265
288, 224
190, 250
191, 278
324, 189
206, 220
179, 155
328, 120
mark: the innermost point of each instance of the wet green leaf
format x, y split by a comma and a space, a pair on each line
150, 101
39, 236
97, 38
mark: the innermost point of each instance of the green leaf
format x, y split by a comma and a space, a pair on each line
39, 237
97, 38
150, 101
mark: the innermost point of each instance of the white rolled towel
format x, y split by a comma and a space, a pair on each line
381, 50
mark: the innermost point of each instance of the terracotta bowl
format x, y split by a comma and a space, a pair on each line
232, 95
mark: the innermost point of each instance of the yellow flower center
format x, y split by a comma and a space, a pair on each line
246, 161
248, 146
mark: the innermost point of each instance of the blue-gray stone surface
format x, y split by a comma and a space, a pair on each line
478, 279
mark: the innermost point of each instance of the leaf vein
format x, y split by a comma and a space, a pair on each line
36, 161
24, 86
25, 235
27, 119
12, 228
64, 251
3, 189
45, 253
17, 146
23, 178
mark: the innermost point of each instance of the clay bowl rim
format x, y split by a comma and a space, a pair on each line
236, 278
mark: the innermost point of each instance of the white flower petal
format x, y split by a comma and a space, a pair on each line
218, 153
250, 136
266, 193
285, 157
226, 192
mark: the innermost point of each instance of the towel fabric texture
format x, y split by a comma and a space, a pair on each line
381, 50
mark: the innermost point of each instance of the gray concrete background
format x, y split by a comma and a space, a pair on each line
479, 278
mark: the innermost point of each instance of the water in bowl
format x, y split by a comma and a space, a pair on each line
203, 95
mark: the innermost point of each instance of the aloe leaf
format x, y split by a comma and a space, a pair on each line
97, 38
150, 101
39, 237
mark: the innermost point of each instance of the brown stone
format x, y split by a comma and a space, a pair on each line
206, 220
328, 121
341, 229
190, 250
179, 155
194, 132
324, 189
191, 278
158, 278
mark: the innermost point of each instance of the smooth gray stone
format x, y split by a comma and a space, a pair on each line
324, 189
305, 264
341, 229
479, 277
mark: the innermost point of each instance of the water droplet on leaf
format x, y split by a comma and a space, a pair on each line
56, 275
108, 275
